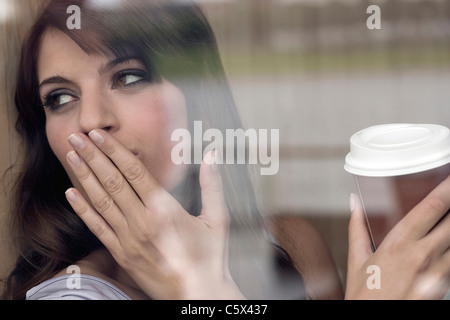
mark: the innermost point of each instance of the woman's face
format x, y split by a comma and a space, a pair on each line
84, 92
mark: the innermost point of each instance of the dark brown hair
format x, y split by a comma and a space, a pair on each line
174, 40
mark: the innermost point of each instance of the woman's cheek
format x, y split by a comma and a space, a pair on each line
57, 135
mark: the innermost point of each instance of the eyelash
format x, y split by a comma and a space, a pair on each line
132, 72
52, 97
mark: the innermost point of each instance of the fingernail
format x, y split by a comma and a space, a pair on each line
76, 142
96, 137
71, 196
74, 158
352, 202
213, 160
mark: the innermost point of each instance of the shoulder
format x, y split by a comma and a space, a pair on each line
81, 287
309, 253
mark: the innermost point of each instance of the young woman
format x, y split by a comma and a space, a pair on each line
99, 190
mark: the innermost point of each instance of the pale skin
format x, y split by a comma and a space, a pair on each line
164, 252
413, 259
111, 132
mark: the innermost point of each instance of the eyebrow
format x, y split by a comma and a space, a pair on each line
102, 70
55, 79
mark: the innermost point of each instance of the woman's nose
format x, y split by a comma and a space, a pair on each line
96, 113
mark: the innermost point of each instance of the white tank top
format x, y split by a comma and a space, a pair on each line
87, 288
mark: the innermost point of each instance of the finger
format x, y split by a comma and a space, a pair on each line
96, 224
423, 217
98, 197
214, 208
134, 171
439, 237
360, 247
108, 175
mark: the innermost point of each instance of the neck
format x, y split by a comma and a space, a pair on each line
100, 263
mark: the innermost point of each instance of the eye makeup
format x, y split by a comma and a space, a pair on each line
129, 78
58, 98
121, 80
132, 73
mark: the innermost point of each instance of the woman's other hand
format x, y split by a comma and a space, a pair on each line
412, 262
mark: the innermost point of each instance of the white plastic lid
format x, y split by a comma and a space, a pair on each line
398, 149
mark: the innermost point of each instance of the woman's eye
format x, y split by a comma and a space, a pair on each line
127, 80
123, 80
57, 100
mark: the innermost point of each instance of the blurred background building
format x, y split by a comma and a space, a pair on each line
313, 69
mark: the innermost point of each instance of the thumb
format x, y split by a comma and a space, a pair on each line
214, 208
359, 240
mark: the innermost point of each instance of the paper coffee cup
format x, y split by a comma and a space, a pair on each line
395, 166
